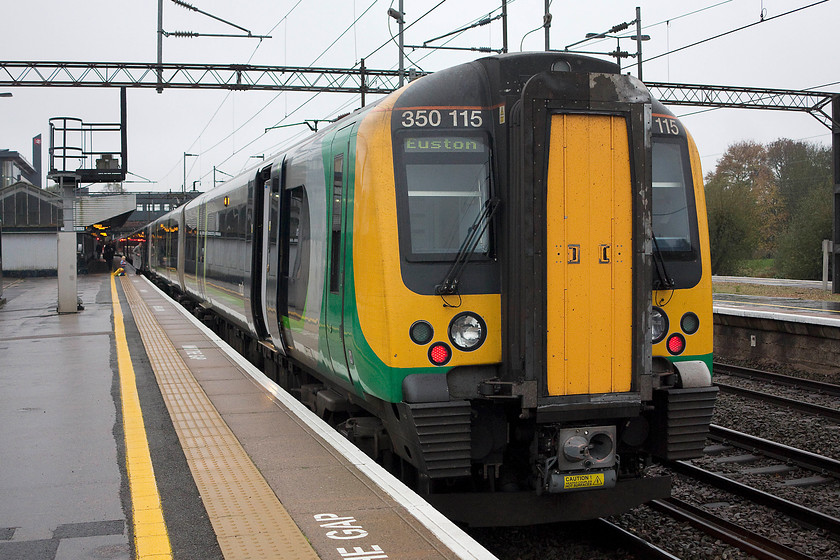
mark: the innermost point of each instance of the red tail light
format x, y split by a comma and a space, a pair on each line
440, 353
676, 344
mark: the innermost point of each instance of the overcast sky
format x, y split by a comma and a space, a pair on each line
796, 51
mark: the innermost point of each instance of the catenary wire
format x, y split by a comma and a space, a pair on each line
229, 93
719, 35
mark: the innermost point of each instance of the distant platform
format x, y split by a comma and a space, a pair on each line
784, 309
811, 284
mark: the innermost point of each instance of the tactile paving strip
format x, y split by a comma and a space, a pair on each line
249, 520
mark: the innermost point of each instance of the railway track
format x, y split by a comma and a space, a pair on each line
779, 383
740, 537
819, 387
791, 509
713, 521
780, 466
778, 451
637, 545
794, 404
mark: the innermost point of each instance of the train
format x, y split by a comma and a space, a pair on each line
495, 280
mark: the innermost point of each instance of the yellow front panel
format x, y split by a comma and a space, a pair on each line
589, 260
386, 307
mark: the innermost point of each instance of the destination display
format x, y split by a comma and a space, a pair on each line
443, 145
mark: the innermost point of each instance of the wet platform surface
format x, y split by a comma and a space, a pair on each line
233, 458
60, 476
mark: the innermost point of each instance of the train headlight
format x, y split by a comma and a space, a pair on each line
658, 325
467, 331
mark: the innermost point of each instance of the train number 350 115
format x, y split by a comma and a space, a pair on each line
465, 118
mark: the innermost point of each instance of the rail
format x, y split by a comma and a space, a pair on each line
643, 548
778, 379
801, 406
777, 451
752, 543
791, 509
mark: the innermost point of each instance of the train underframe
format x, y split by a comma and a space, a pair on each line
467, 456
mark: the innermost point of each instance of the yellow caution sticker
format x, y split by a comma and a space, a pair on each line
573, 481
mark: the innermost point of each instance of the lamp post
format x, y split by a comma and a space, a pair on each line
184, 184
399, 15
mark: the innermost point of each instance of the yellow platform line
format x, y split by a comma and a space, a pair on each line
151, 539
246, 515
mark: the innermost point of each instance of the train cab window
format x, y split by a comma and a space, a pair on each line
674, 212
670, 208
445, 183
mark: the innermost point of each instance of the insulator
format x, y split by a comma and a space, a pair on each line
185, 5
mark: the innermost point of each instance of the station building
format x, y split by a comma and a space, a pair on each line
31, 216
15, 168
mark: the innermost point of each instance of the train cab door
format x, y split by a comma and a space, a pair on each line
589, 262
338, 248
579, 244
272, 188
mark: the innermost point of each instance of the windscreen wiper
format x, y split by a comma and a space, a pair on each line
662, 280
449, 286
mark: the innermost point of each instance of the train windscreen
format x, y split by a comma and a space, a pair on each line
447, 183
672, 209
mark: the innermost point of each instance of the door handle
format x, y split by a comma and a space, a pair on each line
574, 254
604, 254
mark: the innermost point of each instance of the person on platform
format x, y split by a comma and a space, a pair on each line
108, 254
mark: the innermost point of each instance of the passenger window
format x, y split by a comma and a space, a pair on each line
297, 251
338, 182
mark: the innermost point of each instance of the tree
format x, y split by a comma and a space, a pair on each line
773, 201
732, 224
800, 247
803, 173
744, 169
798, 167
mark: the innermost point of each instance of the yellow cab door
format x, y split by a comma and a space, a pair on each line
589, 280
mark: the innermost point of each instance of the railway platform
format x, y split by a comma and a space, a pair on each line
129, 430
788, 332
791, 310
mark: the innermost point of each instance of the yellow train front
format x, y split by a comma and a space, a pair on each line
531, 277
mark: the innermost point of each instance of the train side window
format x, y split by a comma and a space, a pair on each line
297, 247
338, 182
